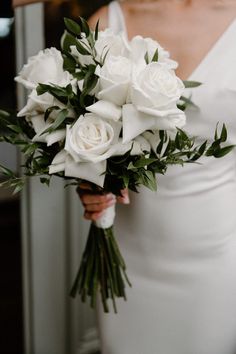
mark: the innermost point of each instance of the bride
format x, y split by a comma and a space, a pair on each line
180, 243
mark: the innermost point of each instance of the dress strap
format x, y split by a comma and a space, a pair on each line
116, 19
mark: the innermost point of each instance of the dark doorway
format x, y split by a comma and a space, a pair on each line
11, 314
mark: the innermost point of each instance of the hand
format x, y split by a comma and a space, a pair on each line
95, 203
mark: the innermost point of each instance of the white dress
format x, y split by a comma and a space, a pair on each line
180, 242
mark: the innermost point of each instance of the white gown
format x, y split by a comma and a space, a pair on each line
180, 242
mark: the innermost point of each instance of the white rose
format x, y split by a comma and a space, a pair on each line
45, 67
114, 80
83, 60
92, 138
89, 143
156, 86
108, 43
113, 44
39, 125
58, 163
140, 46
154, 92
39, 103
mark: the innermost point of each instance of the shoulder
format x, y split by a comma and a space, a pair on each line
101, 15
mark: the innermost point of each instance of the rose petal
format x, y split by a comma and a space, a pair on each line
27, 109
105, 109
60, 157
92, 172
56, 168
55, 136
153, 139
39, 138
116, 94
25, 83
38, 122
159, 113
68, 146
136, 122
140, 145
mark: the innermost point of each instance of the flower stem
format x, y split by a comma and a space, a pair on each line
102, 269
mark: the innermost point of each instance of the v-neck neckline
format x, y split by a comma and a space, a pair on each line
212, 49
205, 57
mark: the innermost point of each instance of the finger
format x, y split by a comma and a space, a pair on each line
99, 207
97, 198
93, 216
124, 198
84, 187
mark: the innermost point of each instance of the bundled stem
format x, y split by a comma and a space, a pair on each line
102, 269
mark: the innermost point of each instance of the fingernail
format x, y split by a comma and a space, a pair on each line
126, 199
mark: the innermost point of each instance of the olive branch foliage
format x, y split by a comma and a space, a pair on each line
102, 267
122, 171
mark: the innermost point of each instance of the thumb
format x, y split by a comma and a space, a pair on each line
124, 198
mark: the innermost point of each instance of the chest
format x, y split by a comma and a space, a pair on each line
188, 36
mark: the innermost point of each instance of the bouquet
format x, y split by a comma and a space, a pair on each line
109, 112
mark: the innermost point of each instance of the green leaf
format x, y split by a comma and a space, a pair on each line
69, 91
15, 128
202, 148
6, 171
84, 26
49, 111
79, 75
200, 151
155, 56
141, 162
188, 101
59, 120
96, 31
68, 40
4, 113
178, 141
146, 58
72, 26
216, 132
69, 64
223, 135
169, 148
91, 40
223, 151
18, 188
191, 84
149, 180
45, 180
31, 148
90, 81
126, 180
159, 147
81, 49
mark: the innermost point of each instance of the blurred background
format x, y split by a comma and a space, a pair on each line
42, 231
11, 311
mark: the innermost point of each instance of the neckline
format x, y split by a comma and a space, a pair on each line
204, 58
212, 49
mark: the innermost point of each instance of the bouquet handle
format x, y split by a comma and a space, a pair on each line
102, 267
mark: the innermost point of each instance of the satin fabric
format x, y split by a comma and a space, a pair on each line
180, 242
